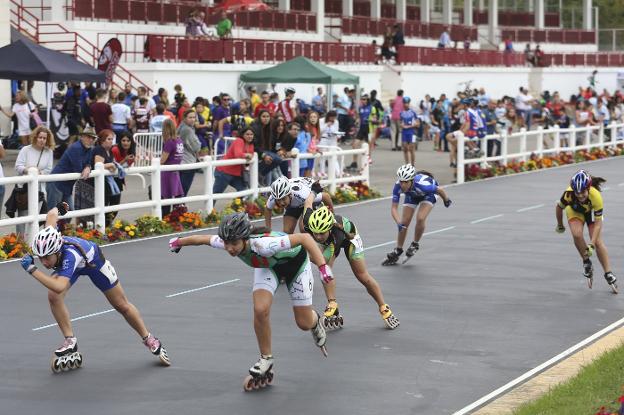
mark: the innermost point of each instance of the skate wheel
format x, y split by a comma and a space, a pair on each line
71, 365
256, 383
269, 378
614, 288
56, 368
326, 322
164, 357
64, 366
262, 382
340, 322
248, 383
78, 362
324, 351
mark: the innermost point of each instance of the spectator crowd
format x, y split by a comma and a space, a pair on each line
91, 125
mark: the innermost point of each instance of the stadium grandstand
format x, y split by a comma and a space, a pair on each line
532, 43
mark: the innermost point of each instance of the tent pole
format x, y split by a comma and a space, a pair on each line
48, 101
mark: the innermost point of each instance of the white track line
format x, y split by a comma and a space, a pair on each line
112, 309
424, 234
621, 184
202, 288
530, 208
477, 404
75, 319
484, 219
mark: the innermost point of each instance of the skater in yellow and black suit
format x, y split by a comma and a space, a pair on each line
334, 233
583, 204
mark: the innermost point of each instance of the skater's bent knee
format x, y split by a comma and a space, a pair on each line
122, 308
55, 298
261, 312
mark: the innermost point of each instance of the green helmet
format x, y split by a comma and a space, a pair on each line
321, 220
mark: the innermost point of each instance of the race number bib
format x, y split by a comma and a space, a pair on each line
358, 244
109, 272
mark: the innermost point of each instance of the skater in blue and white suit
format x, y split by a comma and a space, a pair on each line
420, 189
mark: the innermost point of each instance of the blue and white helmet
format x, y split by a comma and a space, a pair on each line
406, 172
580, 181
47, 241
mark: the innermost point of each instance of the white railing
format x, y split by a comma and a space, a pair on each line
525, 143
208, 164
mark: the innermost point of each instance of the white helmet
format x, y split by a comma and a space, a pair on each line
280, 187
406, 172
47, 241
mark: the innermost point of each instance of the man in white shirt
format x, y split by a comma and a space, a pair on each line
523, 106
122, 116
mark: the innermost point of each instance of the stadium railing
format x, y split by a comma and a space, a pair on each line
526, 143
207, 197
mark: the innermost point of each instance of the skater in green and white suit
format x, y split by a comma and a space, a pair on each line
335, 233
276, 258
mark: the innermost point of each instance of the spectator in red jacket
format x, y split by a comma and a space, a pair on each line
241, 148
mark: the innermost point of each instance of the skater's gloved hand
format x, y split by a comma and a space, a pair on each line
447, 202
174, 245
400, 226
560, 229
326, 273
590, 250
28, 263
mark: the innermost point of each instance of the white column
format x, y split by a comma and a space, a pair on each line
447, 12
57, 11
531, 6
375, 9
493, 21
425, 11
347, 8
481, 5
284, 5
540, 22
5, 84
401, 9
587, 15
468, 12
208, 3
318, 7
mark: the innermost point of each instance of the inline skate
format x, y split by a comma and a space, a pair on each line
611, 280
331, 317
260, 374
319, 335
156, 348
66, 357
411, 250
392, 322
393, 257
588, 272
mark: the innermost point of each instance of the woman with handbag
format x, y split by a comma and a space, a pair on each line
24, 112
38, 154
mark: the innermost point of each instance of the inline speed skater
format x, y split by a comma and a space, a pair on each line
291, 194
334, 233
583, 204
276, 258
69, 258
420, 189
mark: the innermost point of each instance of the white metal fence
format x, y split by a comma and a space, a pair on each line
207, 165
541, 142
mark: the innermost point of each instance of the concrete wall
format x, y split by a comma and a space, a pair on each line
208, 79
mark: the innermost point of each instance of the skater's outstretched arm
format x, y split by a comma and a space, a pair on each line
53, 214
55, 283
327, 201
559, 215
176, 244
444, 196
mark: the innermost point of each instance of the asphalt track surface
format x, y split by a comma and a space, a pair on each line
492, 294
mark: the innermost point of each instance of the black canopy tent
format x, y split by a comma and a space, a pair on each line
28, 61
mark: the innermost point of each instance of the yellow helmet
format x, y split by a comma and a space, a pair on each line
321, 220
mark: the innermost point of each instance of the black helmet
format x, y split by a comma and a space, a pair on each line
235, 226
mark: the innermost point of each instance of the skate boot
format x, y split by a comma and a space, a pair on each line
393, 257
411, 250
392, 322
332, 318
260, 374
588, 272
611, 280
319, 335
155, 346
66, 357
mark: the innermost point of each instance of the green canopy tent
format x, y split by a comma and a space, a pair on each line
301, 70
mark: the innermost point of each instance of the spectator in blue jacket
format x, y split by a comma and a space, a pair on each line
76, 159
